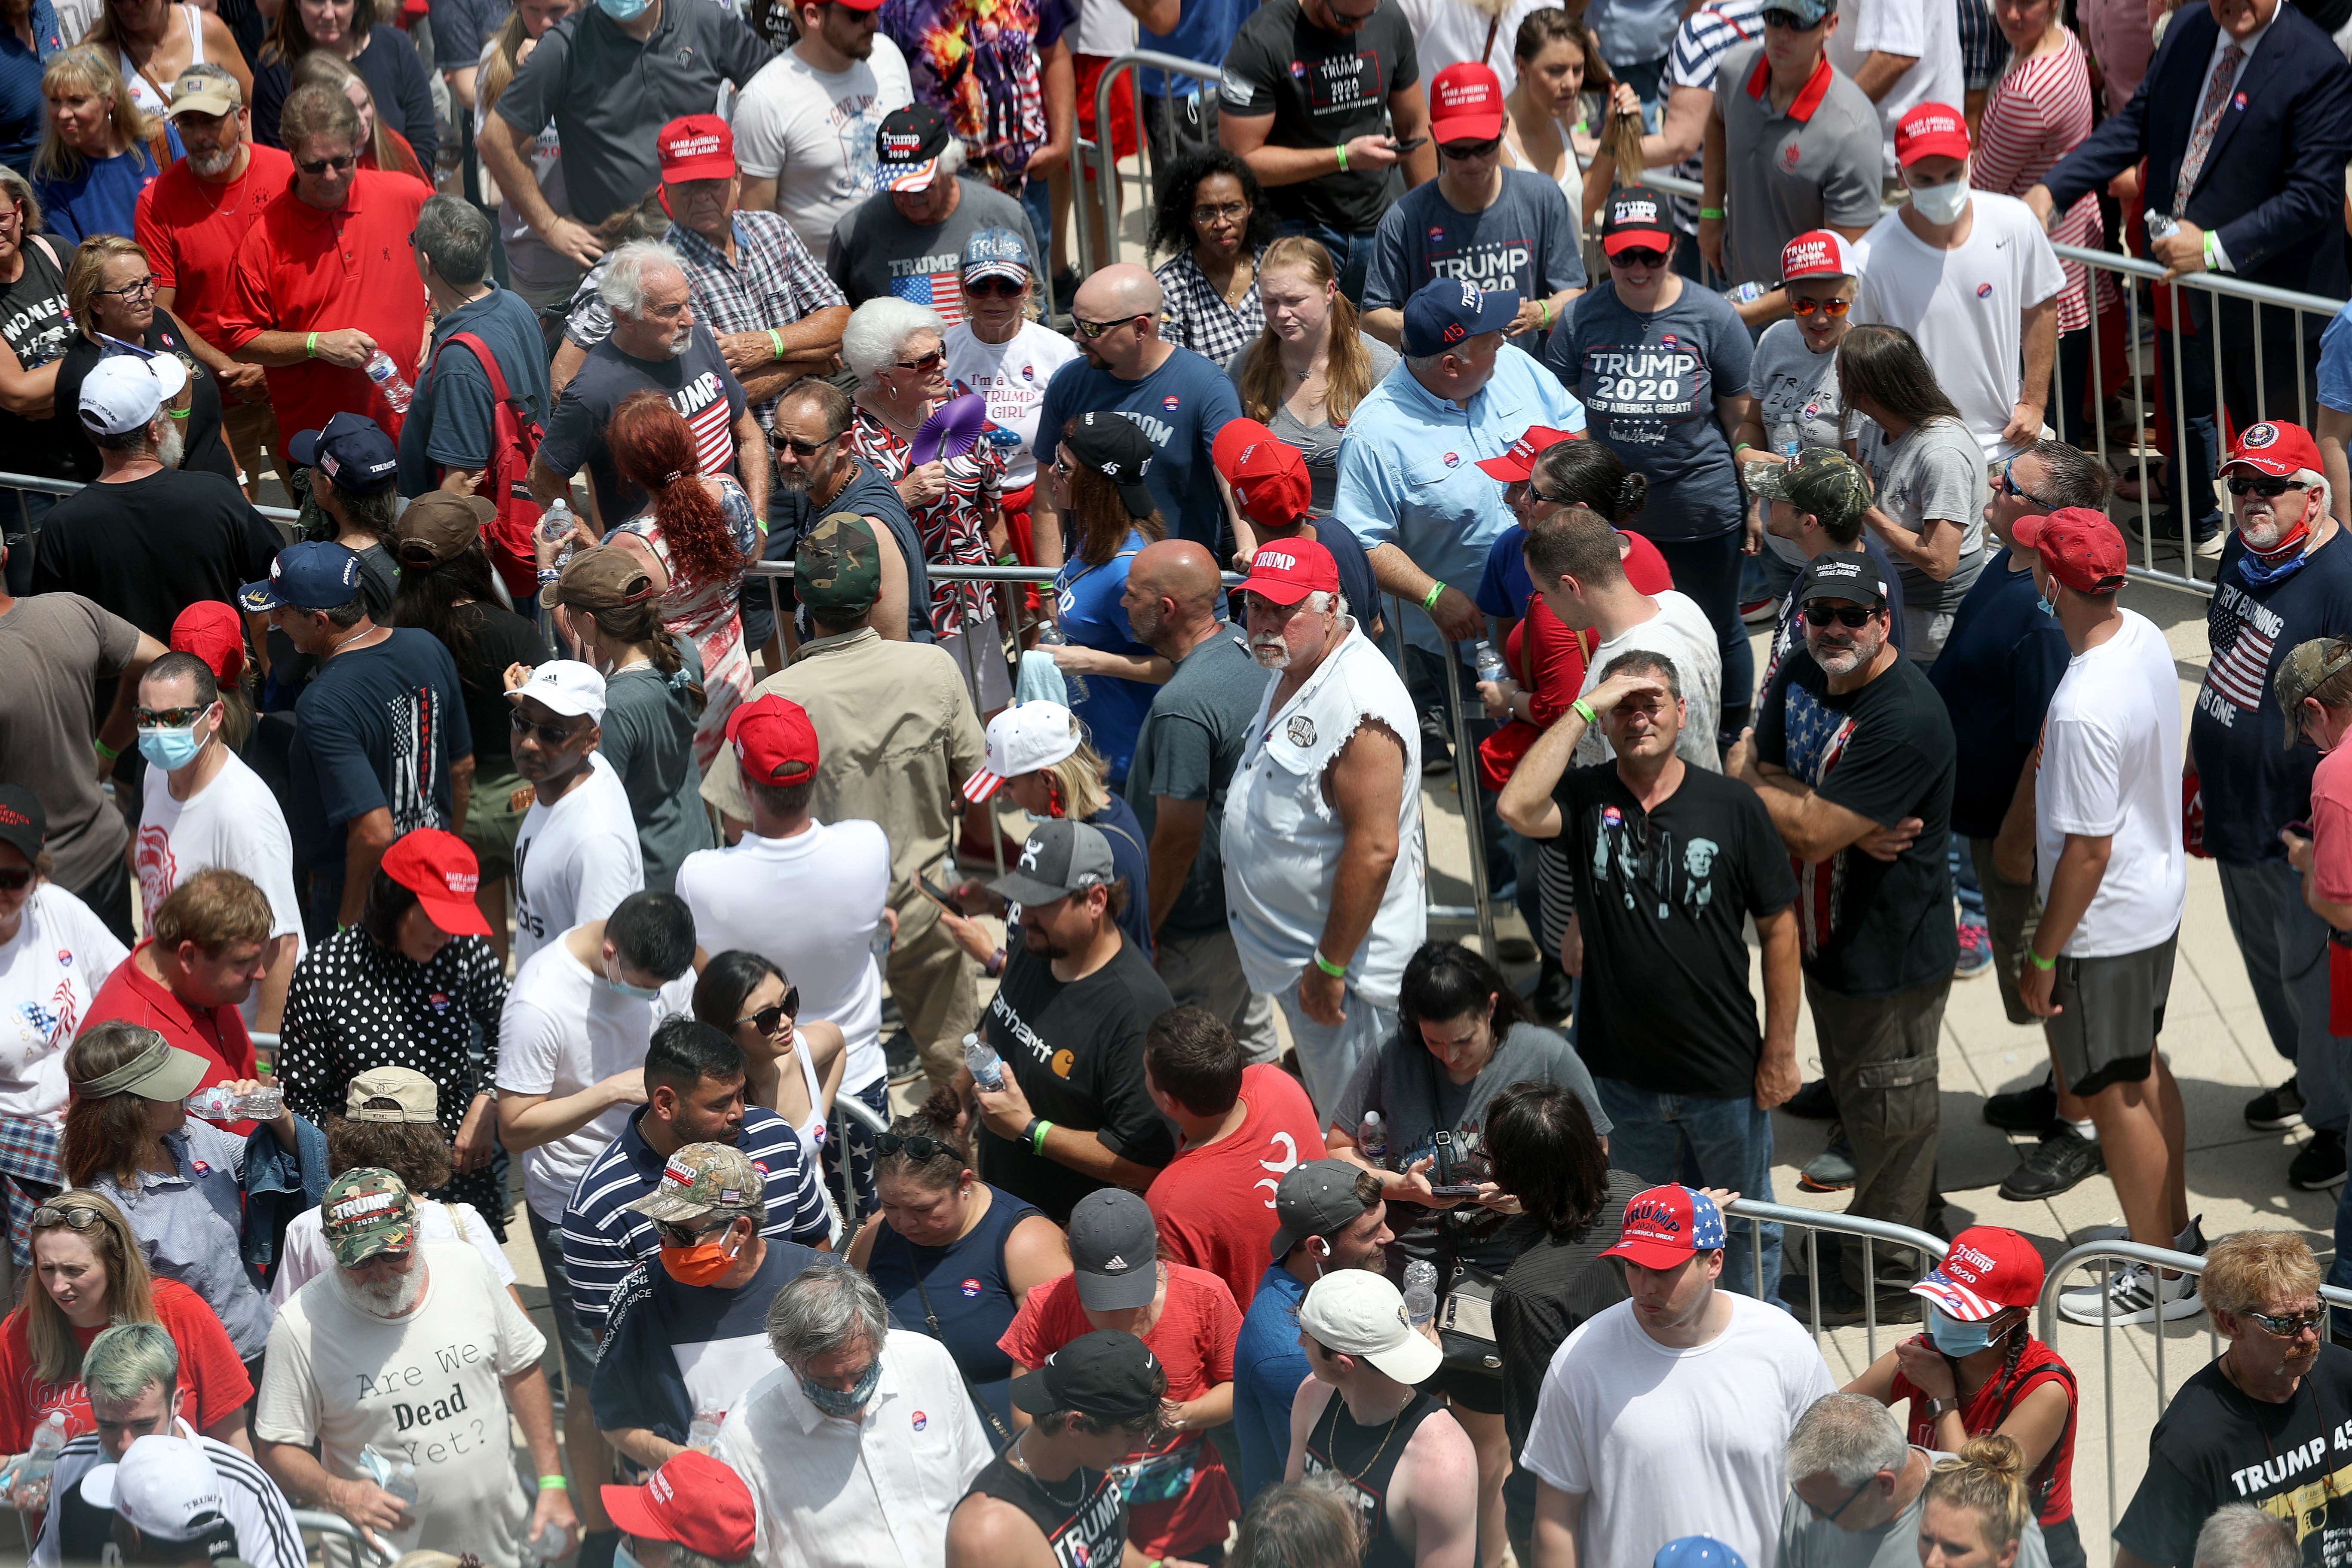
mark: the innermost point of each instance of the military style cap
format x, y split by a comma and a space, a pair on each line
702, 1177
1828, 484
365, 1211
838, 567
2306, 668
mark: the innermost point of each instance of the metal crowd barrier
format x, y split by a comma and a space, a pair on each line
326, 1526
1815, 1223
1099, 157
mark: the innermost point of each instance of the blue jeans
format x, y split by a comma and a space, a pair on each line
1701, 1142
1964, 883
1351, 253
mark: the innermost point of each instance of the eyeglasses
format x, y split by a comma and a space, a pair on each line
931, 361
1830, 307
1789, 21
1832, 1517
1851, 617
136, 285
548, 734
1090, 331
1638, 256
320, 165
917, 1147
1535, 494
172, 718
803, 448
2279, 1328
768, 1019
1002, 287
679, 1236
78, 1216
16, 880
2268, 489
1459, 150
1205, 214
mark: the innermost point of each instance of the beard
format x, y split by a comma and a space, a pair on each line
677, 345
1271, 653
1844, 660
173, 446
794, 481
215, 161
1034, 938
386, 1299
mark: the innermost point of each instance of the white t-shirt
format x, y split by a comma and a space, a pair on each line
48, 974
758, 895
425, 1386
1105, 28
1965, 305
562, 1029
1680, 631
232, 821
575, 860
1011, 377
1449, 32
813, 132
305, 1255
1926, 30
1666, 1442
2111, 765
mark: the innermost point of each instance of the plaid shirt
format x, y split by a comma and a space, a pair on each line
775, 283
1197, 316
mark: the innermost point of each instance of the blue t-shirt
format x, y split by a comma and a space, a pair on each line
376, 727
1181, 406
1635, 31
22, 106
2334, 361
451, 422
658, 1329
1268, 1367
2253, 785
1090, 614
102, 197
1204, 31
2005, 656
1130, 855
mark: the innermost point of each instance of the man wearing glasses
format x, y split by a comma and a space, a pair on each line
1834, 1520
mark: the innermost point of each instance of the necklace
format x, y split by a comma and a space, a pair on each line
1388, 1433
1021, 1457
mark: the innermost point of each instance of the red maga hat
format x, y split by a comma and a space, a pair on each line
438, 868
1514, 466
1927, 129
2080, 547
1268, 474
695, 1501
1288, 570
774, 742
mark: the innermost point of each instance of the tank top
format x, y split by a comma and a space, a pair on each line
149, 95
868, 494
971, 1294
2051, 1484
37, 324
1365, 1460
1091, 1535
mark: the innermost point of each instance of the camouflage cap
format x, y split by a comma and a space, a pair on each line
2306, 668
837, 569
365, 1211
702, 1177
1828, 484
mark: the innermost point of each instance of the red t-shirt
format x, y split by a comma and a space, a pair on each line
1559, 654
191, 228
211, 1375
302, 270
1194, 1341
1991, 1407
216, 1034
1215, 1205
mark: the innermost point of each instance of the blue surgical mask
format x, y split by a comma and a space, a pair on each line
635, 992
624, 1558
2046, 607
171, 748
623, 10
1954, 1338
845, 1403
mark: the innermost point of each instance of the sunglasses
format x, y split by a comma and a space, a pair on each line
2288, 1328
172, 718
804, 448
1640, 257
16, 880
1470, 149
931, 361
1000, 287
1789, 21
2267, 487
78, 1216
136, 285
1830, 307
548, 734
1090, 331
1851, 617
767, 1020
1203, 215
917, 1147
320, 165
679, 1236
1535, 494
2006, 483
1832, 1517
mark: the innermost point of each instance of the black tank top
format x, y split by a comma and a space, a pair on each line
1365, 1459
1091, 1535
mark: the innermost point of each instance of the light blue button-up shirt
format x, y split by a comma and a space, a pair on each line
188, 1223
1409, 472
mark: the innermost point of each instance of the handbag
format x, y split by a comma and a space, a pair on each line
1500, 753
1465, 1323
932, 1318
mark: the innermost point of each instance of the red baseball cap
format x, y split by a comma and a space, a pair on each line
1929, 129
442, 872
210, 630
1465, 104
1268, 475
1664, 1225
696, 147
1288, 570
774, 742
1986, 1269
695, 1501
1819, 253
1514, 466
2082, 548
2275, 448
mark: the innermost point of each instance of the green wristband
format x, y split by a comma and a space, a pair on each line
1037, 1138
1715, 213
1430, 601
1583, 711
553, 1484
310, 346
776, 341
1343, 151
1336, 971
2044, 964
109, 752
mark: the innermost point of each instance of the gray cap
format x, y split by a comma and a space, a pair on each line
1113, 1246
1316, 1198
1061, 857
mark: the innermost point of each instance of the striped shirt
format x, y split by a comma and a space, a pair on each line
603, 1240
1706, 35
267, 1536
2040, 111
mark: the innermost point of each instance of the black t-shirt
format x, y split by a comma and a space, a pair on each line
698, 383
149, 549
790, 513
1077, 1051
1323, 90
37, 324
205, 452
499, 638
2214, 1444
1092, 1535
377, 727
1664, 898
1997, 671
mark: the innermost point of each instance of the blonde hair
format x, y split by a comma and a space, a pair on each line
1986, 1478
2247, 1270
87, 268
19, 190
93, 71
1080, 782
129, 1286
1349, 377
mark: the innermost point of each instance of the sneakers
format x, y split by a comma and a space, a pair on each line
1833, 1169
1436, 747
1976, 953
2276, 1110
2318, 1165
2059, 1163
1760, 612
2024, 1109
1813, 1103
2134, 1293
1841, 1303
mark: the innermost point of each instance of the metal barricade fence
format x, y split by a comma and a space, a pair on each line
1815, 1223
1098, 156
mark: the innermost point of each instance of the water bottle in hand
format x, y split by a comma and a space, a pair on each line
1491, 668
1744, 293
217, 1104
703, 1436
397, 1476
1372, 1138
389, 381
1050, 634
987, 1067
1420, 1291
30, 1483
555, 527
551, 1543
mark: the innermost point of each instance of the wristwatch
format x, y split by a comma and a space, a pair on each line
1936, 1407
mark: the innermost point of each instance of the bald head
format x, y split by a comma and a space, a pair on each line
1119, 291
1171, 596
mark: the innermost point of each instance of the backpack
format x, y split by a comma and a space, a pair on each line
506, 477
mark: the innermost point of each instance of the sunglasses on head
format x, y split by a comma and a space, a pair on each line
77, 1216
919, 1146
2265, 487
15, 879
769, 1019
172, 718
1639, 256
548, 734
1851, 616
2006, 483
320, 165
1801, 306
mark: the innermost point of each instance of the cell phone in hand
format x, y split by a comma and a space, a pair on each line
1459, 1190
1406, 143
936, 893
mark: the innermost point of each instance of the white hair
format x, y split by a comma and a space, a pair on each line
878, 329
2240, 1535
951, 158
623, 287
1847, 1436
1321, 600
2318, 482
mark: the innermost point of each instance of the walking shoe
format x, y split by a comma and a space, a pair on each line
1833, 1169
1761, 612
1555, 992
1515, 950
2318, 1165
2024, 1109
1813, 1103
1437, 746
1976, 953
2134, 1294
2058, 1163
2276, 1110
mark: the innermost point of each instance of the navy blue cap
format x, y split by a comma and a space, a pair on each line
353, 450
1445, 313
312, 575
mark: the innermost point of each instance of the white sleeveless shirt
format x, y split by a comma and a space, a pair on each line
142, 91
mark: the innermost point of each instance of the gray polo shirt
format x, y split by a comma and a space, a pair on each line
1817, 164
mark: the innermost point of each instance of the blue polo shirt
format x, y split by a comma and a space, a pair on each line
1268, 1367
21, 104
1409, 472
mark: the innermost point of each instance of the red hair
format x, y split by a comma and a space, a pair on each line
654, 450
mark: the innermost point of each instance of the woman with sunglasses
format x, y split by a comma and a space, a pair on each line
747, 998
954, 1256
1979, 1369
93, 1275
1097, 487
110, 289
98, 150
1215, 218
1795, 381
1000, 353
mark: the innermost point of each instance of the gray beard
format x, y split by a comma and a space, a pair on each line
392, 1300
173, 446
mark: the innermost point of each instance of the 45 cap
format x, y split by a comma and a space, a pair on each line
1664, 1227
1445, 313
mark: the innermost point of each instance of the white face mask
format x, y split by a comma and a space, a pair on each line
1941, 204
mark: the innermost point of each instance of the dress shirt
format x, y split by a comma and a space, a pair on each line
2216, 256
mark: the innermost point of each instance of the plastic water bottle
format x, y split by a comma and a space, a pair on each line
217, 1104
1744, 293
395, 1475
1050, 634
987, 1067
2161, 225
31, 1479
1788, 438
1420, 1291
551, 1543
1491, 668
389, 381
556, 527
1372, 1138
703, 1436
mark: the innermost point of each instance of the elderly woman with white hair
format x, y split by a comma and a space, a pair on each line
896, 348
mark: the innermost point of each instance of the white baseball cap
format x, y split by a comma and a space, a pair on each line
1358, 1313
1021, 740
164, 1488
564, 686
124, 392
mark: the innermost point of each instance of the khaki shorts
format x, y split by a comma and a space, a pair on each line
493, 817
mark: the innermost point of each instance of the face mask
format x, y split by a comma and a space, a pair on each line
171, 748
1941, 204
624, 1558
623, 10
1955, 1338
635, 992
836, 1401
2045, 607
702, 1264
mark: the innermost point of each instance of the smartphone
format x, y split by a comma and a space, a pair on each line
1464, 1190
1407, 143
2300, 829
936, 893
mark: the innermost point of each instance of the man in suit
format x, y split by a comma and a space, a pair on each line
2245, 119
